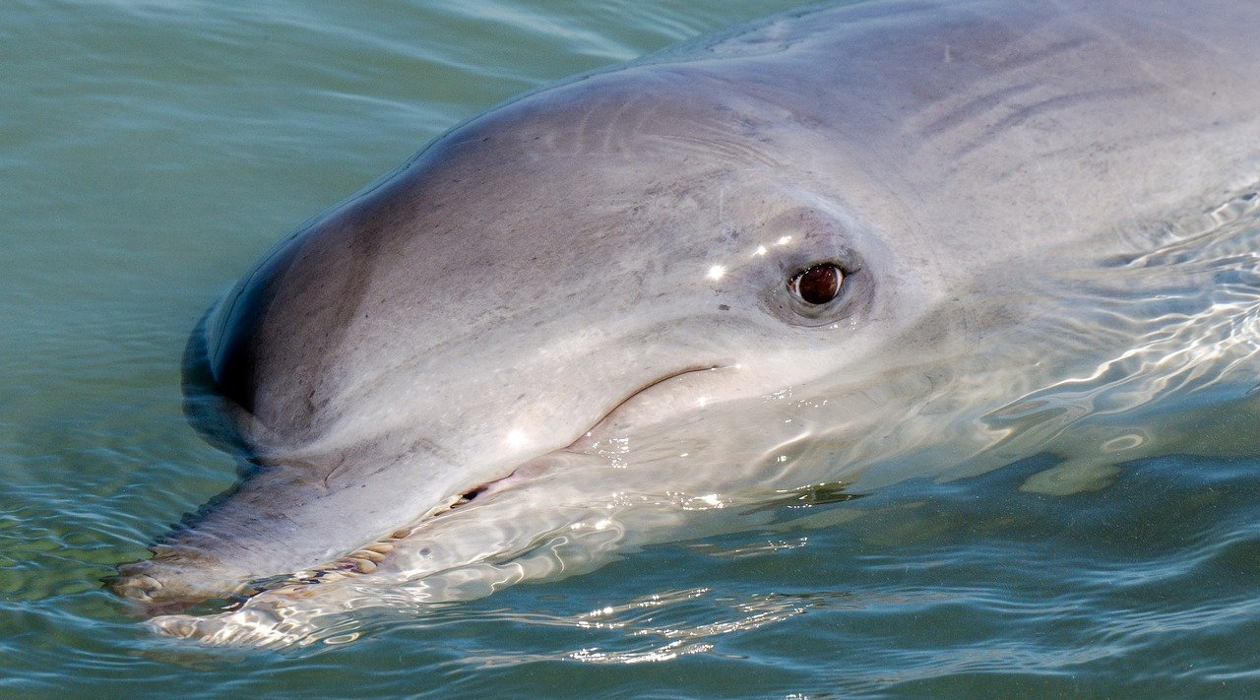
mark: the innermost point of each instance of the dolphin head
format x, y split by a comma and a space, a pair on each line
858, 245
616, 257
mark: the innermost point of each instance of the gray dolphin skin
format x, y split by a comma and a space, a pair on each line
825, 253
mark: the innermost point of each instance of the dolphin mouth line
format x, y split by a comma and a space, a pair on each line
367, 559
635, 394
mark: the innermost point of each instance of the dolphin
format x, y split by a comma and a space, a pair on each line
828, 252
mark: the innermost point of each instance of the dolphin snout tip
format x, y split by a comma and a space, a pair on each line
147, 586
132, 583
144, 593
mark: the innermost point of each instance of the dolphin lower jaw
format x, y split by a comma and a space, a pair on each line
191, 569
225, 552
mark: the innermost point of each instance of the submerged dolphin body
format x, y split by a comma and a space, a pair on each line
846, 247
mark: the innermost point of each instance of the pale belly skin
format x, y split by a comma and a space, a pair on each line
580, 313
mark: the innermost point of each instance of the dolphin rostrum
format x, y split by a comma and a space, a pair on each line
837, 249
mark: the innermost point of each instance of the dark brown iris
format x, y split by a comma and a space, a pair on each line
819, 284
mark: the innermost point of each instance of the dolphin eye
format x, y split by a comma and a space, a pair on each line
818, 284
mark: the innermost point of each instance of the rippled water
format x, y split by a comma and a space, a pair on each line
151, 151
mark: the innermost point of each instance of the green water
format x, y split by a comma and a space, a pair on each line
151, 151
